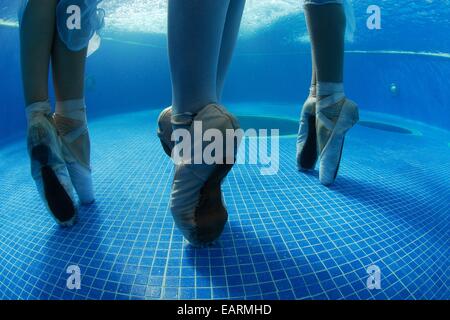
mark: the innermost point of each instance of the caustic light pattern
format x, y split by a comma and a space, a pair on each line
151, 15
288, 237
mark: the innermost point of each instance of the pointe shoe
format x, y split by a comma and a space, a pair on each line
307, 140
196, 199
48, 167
72, 128
165, 130
331, 136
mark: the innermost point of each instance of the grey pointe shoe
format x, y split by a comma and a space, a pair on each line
196, 199
48, 167
307, 138
331, 135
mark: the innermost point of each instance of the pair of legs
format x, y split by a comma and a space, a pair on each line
327, 115
58, 143
202, 36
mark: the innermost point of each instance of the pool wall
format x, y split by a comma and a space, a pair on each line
134, 75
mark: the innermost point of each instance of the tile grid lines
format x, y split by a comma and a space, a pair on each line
292, 238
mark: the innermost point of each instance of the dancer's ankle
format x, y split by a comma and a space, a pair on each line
330, 99
70, 118
71, 123
41, 108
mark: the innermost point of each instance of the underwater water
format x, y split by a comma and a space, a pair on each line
288, 237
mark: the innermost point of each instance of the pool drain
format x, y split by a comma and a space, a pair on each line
288, 127
285, 126
384, 127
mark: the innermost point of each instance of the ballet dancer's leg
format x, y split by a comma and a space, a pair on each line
70, 116
200, 49
37, 30
335, 114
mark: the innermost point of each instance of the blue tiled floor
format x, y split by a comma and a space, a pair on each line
288, 237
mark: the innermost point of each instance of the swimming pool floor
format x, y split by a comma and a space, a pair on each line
288, 237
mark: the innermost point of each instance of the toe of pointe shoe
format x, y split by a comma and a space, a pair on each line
81, 178
197, 206
331, 155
